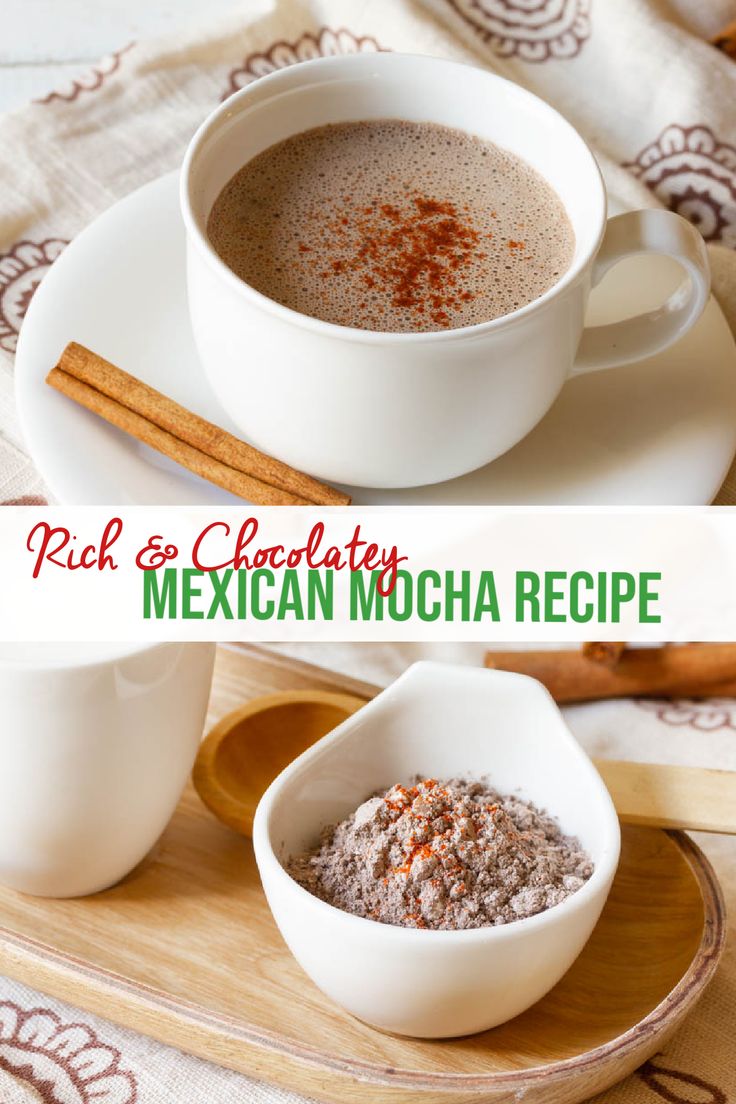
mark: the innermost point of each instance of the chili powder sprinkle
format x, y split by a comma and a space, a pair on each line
444, 855
392, 225
415, 252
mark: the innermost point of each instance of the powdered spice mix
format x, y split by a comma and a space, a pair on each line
444, 855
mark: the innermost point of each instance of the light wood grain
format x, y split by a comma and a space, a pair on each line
185, 950
248, 747
243, 753
662, 796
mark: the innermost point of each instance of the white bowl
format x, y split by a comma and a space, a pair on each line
440, 721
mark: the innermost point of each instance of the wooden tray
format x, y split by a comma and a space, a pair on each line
185, 950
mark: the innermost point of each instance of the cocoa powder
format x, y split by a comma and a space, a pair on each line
444, 855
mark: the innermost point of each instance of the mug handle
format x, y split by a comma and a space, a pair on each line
648, 231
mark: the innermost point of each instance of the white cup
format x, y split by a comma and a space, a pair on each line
441, 721
96, 744
390, 410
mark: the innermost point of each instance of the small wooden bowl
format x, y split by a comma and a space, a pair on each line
249, 747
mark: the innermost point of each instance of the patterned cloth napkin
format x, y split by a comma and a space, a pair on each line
637, 77
672, 141
56, 1054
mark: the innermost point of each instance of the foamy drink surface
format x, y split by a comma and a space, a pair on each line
392, 225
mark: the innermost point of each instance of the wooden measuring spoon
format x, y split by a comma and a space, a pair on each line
249, 747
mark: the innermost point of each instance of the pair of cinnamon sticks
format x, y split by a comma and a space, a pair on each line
725, 40
604, 670
196, 444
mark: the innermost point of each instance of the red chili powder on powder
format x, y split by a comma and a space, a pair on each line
416, 252
446, 855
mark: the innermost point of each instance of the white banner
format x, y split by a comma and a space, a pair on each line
425, 574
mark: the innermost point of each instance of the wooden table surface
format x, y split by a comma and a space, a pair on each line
43, 42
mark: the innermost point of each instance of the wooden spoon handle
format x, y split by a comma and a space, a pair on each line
659, 796
647, 794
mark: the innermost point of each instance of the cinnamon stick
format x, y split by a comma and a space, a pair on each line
672, 671
197, 444
149, 434
725, 40
604, 651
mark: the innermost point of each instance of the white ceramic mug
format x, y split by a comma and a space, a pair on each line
96, 744
390, 410
441, 721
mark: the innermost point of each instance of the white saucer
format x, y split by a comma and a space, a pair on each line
662, 432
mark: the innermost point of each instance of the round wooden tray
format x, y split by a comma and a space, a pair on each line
185, 950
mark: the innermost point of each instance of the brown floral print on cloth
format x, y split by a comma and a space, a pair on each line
531, 30
677, 1087
27, 500
323, 43
60, 1063
21, 271
707, 715
694, 174
87, 82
